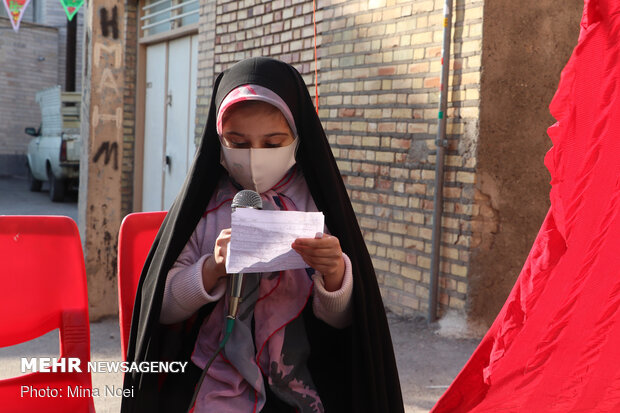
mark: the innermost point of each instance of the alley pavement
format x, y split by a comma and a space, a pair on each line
427, 362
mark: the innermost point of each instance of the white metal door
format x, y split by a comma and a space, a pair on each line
191, 121
179, 117
154, 127
174, 116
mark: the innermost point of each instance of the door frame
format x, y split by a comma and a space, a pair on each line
143, 43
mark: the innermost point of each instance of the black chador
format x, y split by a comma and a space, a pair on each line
354, 369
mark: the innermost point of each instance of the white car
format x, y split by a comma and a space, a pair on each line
48, 160
54, 152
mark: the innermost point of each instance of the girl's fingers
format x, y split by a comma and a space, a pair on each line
220, 248
322, 264
320, 260
318, 247
323, 254
224, 237
326, 241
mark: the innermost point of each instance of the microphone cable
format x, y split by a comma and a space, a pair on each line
230, 323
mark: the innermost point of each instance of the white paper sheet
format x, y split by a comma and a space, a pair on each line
261, 240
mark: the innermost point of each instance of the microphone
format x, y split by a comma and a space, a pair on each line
243, 199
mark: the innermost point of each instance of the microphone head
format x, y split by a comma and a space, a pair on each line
247, 199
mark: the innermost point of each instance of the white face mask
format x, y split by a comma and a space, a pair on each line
258, 169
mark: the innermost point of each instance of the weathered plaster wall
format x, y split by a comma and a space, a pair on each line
525, 46
104, 100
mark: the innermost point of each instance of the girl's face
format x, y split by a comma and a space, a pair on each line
259, 125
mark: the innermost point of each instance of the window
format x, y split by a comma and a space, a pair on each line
161, 16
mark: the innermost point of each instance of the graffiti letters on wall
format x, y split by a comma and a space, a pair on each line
107, 88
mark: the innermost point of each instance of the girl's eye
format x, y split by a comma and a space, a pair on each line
236, 143
272, 145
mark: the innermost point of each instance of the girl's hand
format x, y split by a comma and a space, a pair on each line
214, 267
324, 255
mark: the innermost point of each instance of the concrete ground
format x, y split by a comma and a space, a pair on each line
16, 199
427, 362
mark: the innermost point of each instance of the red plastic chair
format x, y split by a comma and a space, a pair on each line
43, 282
138, 230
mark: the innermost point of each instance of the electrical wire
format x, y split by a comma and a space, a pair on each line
230, 323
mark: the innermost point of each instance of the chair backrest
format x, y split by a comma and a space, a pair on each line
43, 281
138, 230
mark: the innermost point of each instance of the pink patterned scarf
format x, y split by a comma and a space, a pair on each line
269, 338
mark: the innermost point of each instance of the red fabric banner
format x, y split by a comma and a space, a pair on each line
555, 345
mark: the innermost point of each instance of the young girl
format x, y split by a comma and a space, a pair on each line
307, 340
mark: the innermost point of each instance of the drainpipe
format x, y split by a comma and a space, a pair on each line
441, 144
70, 54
